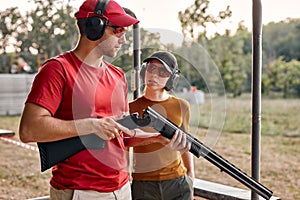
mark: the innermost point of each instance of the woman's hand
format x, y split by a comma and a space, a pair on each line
179, 142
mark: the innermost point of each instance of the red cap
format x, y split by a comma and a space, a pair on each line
113, 13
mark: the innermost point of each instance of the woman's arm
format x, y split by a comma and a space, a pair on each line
188, 161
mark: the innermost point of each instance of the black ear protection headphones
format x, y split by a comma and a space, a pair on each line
171, 81
170, 84
95, 26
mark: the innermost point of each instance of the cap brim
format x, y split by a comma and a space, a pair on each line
123, 20
163, 62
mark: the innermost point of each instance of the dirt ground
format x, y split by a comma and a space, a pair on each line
280, 161
20, 176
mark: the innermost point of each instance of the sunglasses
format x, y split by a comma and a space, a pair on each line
161, 71
118, 30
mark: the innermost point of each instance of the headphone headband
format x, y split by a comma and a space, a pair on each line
100, 7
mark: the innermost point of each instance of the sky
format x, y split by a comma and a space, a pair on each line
162, 15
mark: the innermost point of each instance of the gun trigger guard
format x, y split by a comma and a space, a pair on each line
133, 121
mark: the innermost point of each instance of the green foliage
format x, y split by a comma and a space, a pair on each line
48, 29
281, 76
11, 23
232, 53
53, 27
282, 39
281, 49
197, 15
229, 55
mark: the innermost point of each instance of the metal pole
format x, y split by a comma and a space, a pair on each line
135, 72
256, 91
135, 83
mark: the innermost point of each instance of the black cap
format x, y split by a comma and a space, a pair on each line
166, 58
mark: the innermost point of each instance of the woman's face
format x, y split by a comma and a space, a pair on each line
156, 75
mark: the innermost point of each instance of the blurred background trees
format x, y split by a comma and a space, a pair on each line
49, 29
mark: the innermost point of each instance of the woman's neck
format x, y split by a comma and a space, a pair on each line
156, 95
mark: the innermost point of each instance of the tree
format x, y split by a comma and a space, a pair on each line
53, 28
281, 39
194, 21
10, 24
228, 53
281, 76
48, 29
292, 79
196, 16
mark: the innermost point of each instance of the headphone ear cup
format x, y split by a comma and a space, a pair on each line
171, 82
143, 72
94, 28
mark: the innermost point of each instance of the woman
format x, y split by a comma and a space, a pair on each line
159, 171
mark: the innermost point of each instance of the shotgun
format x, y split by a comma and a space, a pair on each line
52, 153
167, 129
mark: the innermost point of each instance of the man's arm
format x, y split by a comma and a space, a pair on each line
142, 137
38, 125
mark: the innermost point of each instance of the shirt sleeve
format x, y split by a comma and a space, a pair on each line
48, 85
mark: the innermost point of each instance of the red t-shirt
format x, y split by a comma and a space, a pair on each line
70, 89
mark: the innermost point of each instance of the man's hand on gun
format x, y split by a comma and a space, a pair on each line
177, 143
108, 128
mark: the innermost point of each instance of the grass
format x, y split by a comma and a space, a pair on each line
281, 117
20, 176
10, 123
278, 116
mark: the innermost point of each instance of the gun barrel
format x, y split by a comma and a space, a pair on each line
167, 129
233, 171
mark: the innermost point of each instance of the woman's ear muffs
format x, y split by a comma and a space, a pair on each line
143, 71
170, 84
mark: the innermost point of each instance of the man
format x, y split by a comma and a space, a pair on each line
78, 93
